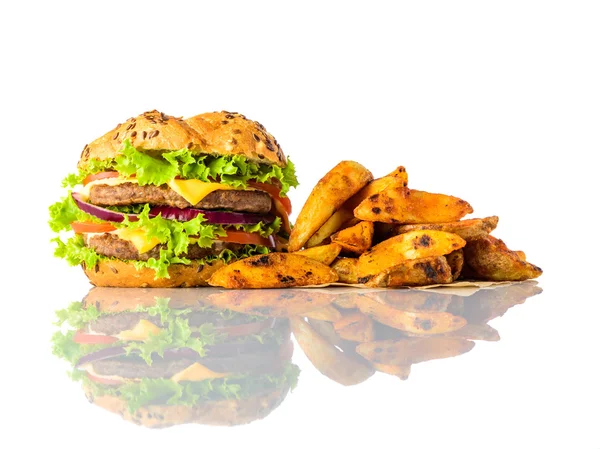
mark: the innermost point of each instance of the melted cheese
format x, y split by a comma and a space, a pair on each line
194, 190
196, 373
138, 238
85, 190
142, 330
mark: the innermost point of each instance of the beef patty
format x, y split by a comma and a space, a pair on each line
253, 201
110, 245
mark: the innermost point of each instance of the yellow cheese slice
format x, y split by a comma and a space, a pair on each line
194, 190
197, 373
138, 237
141, 332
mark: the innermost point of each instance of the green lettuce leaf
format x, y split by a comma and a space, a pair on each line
160, 169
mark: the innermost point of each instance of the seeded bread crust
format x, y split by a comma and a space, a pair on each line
230, 133
120, 273
228, 412
149, 131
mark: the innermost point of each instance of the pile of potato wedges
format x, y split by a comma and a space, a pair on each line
354, 229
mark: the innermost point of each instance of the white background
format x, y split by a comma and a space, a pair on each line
495, 102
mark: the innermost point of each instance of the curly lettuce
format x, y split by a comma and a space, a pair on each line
159, 169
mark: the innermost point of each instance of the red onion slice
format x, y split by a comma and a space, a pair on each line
100, 212
213, 217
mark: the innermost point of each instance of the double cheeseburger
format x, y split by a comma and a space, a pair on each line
162, 357
164, 202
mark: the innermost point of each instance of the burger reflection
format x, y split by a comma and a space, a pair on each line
161, 357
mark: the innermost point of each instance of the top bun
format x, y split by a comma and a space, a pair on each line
218, 133
229, 133
152, 130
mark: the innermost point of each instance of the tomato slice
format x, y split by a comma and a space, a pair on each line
100, 380
90, 339
101, 175
87, 226
285, 220
273, 190
247, 238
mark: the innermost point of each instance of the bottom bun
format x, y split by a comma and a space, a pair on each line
121, 273
226, 412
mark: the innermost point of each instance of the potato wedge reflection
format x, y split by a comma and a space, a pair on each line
339, 184
426, 323
413, 350
329, 360
490, 259
411, 300
483, 332
327, 313
355, 326
399, 371
274, 303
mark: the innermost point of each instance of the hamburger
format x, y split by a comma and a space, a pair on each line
164, 202
161, 357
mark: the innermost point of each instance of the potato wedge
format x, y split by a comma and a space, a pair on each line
343, 181
273, 270
483, 332
330, 361
410, 273
422, 323
398, 176
273, 303
346, 269
413, 350
325, 254
355, 327
335, 223
356, 239
398, 204
411, 300
327, 313
408, 246
521, 255
456, 261
399, 371
490, 259
468, 230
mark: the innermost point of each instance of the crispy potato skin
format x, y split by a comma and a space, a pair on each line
335, 222
490, 259
357, 238
397, 177
408, 246
346, 269
273, 270
416, 272
456, 261
471, 229
399, 204
325, 254
339, 184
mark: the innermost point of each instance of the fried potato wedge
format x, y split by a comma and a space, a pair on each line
356, 239
489, 259
327, 313
408, 246
413, 350
456, 261
339, 184
273, 270
418, 272
411, 300
325, 254
346, 269
397, 177
273, 303
470, 229
422, 323
335, 223
399, 371
329, 360
399, 204
355, 327
483, 332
